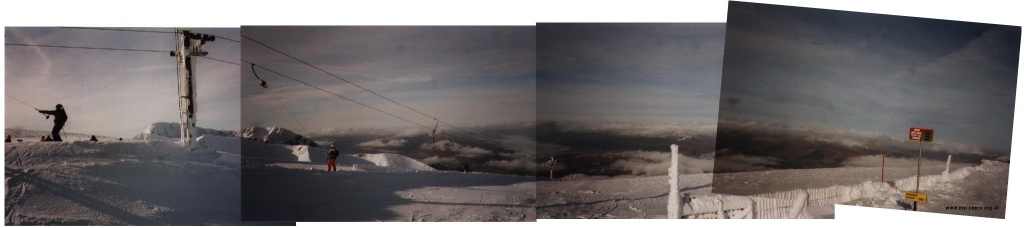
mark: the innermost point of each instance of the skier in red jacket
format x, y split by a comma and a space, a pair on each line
332, 156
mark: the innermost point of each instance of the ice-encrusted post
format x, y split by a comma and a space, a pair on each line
551, 170
673, 183
945, 174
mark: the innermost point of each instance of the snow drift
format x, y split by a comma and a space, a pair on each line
395, 161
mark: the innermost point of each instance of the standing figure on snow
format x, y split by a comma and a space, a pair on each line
93, 139
59, 118
8, 139
331, 157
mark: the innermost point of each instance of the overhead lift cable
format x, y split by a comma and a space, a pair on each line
338, 95
143, 31
264, 84
93, 48
357, 85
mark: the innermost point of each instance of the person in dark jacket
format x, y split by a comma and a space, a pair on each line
332, 156
59, 118
93, 139
8, 139
48, 139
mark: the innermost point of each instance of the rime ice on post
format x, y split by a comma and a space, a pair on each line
945, 174
673, 182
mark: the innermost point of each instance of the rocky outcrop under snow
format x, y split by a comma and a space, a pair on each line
172, 131
276, 135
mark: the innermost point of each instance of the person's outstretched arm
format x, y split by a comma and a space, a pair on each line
48, 112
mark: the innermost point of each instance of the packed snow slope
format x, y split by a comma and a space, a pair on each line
288, 183
172, 131
120, 183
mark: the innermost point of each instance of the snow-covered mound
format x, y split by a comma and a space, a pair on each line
172, 131
395, 161
120, 183
229, 145
276, 135
277, 153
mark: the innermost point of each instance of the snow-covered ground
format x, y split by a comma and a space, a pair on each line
120, 183
983, 185
33, 135
288, 183
631, 197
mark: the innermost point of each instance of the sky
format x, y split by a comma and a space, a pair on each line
846, 71
114, 93
665, 74
466, 76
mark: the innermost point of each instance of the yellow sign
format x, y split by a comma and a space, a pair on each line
915, 196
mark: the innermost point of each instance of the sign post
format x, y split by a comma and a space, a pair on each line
921, 135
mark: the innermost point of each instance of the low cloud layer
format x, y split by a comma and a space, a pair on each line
446, 161
635, 129
652, 163
382, 143
853, 138
876, 161
461, 150
741, 163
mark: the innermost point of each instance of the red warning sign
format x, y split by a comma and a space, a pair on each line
921, 134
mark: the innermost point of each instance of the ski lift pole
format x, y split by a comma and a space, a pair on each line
433, 134
189, 46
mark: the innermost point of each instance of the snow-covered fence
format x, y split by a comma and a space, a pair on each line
738, 207
832, 194
806, 203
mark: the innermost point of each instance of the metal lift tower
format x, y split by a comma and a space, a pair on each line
188, 47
